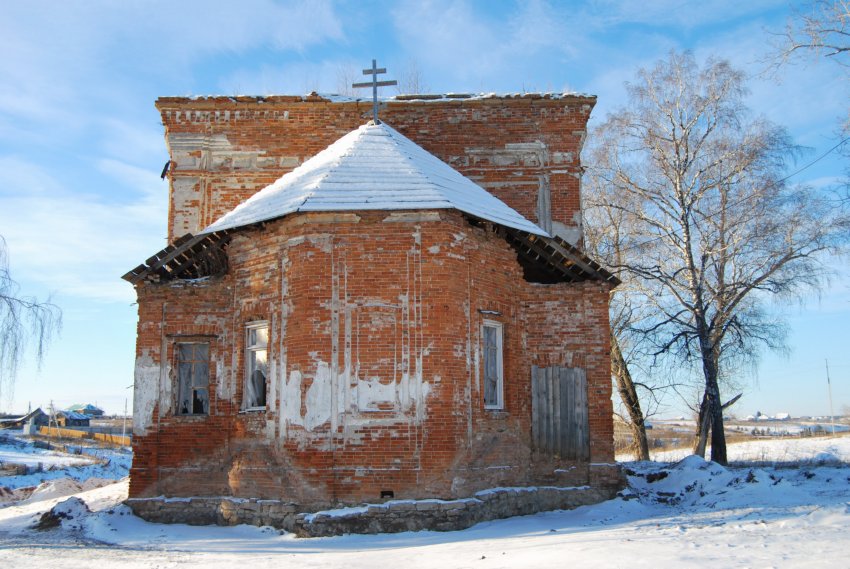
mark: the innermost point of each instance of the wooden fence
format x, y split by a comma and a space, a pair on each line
75, 434
559, 417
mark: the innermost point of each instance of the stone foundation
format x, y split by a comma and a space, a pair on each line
389, 517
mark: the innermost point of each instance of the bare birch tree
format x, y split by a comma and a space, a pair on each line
716, 229
411, 79
346, 75
608, 236
24, 321
821, 27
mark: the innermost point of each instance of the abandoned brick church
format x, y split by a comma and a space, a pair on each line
351, 311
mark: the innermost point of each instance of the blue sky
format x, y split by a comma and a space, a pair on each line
81, 145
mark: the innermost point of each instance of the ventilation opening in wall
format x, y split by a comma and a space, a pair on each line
387, 494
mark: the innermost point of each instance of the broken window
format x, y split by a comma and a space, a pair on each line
193, 378
256, 365
492, 355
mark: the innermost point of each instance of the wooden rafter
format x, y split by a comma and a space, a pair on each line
544, 259
551, 259
190, 256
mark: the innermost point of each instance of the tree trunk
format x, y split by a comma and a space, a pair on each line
628, 394
703, 426
711, 409
718, 435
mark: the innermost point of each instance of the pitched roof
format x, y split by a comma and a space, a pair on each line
76, 416
372, 168
83, 407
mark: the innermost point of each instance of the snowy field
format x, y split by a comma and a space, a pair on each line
686, 514
45, 465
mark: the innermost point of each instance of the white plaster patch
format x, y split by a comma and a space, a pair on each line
434, 249
342, 392
291, 399
224, 389
562, 157
412, 216
319, 398
145, 392
331, 217
571, 235
185, 191
206, 319
293, 241
458, 238
371, 394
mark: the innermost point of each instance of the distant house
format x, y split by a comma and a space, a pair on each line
72, 419
86, 409
37, 417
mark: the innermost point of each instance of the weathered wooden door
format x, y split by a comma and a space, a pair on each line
559, 417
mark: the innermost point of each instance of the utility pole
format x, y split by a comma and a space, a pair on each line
829, 386
124, 423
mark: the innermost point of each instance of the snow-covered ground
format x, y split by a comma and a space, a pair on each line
771, 452
786, 428
779, 452
43, 465
686, 514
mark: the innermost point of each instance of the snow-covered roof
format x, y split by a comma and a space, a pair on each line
372, 168
86, 409
74, 415
418, 97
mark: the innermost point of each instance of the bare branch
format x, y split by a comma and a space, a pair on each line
24, 320
706, 228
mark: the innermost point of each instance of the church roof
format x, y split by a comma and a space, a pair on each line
372, 168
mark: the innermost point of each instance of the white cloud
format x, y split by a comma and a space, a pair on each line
808, 100
186, 30
476, 49
80, 244
72, 82
453, 28
59, 55
678, 13
19, 177
126, 139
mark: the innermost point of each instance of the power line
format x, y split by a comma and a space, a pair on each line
742, 200
815, 161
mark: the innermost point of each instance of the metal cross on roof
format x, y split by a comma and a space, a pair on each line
374, 84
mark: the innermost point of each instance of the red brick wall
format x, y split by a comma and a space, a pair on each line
525, 150
356, 301
568, 326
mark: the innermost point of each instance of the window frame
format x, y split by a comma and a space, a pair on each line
499, 404
191, 387
250, 363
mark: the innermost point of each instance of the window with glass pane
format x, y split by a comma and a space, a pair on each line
256, 365
492, 356
193, 378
